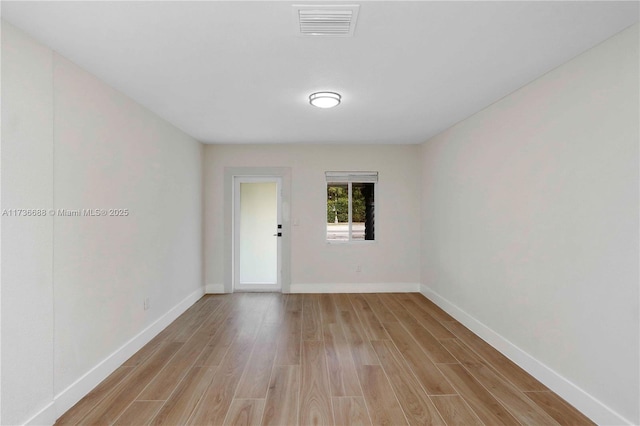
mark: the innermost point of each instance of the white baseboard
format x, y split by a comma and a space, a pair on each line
78, 389
214, 288
46, 416
356, 288
587, 404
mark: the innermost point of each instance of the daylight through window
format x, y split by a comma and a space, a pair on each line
351, 206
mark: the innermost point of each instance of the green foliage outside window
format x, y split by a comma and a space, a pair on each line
338, 204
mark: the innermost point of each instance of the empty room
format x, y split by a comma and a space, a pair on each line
320, 213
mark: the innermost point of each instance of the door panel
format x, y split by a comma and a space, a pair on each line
257, 251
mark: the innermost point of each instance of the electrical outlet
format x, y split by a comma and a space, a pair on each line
358, 268
147, 303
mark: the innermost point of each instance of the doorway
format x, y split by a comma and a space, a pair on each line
230, 258
258, 231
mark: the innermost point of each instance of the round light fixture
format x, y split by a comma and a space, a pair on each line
325, 99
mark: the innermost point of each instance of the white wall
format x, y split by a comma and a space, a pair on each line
530, 225
392, 261
73, 287
27, 242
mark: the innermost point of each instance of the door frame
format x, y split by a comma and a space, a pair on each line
230, 175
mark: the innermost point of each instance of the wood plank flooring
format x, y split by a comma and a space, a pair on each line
319, 359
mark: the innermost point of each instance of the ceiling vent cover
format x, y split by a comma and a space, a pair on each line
325, 20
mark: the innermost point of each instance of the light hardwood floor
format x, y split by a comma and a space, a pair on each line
314, 359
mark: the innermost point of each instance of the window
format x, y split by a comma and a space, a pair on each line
351, 206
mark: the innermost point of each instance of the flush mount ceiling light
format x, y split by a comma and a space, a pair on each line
325, 99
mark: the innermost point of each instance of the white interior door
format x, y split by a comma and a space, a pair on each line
257, 234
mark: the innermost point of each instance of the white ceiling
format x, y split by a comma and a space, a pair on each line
236, 72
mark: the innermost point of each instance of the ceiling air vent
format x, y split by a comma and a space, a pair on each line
325, 20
